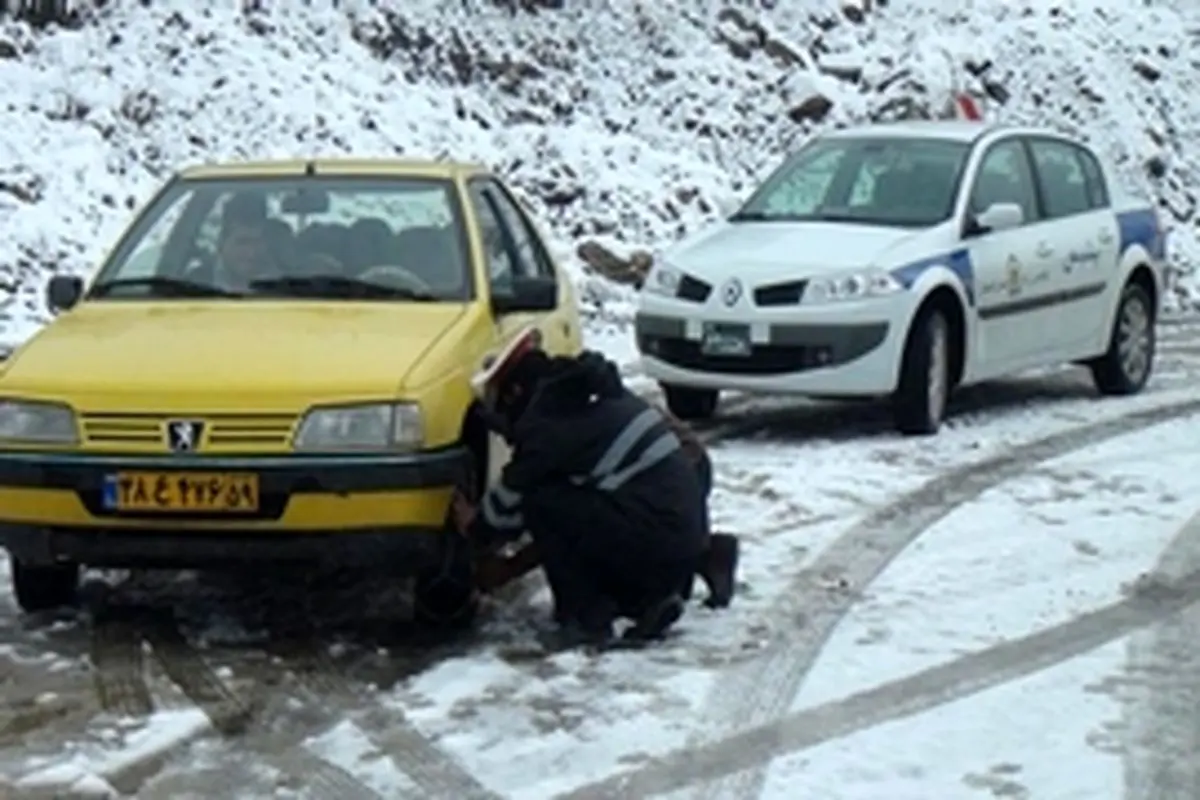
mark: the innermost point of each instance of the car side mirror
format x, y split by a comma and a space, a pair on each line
64, 292
996, 217
527, 295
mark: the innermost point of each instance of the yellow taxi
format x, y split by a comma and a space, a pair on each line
273, 365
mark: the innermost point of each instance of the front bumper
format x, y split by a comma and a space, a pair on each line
850, 357
360, 509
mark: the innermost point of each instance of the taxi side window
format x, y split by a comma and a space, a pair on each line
496, 251
532, 258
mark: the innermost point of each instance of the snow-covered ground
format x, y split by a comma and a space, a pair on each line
957, 618
941, 618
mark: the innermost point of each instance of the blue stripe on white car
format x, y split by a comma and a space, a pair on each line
1141, 227
957, 261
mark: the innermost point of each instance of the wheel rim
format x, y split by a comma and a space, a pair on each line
1133, 340
939, 368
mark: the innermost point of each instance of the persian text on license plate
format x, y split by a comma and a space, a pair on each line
186, 492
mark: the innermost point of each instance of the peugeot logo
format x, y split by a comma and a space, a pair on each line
183, 435
731, 292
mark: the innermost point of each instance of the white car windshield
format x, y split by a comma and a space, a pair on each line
312, 237
902, 182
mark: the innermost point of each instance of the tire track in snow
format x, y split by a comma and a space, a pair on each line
1161, 694
757, 692
329, 694
190, 671
119, 665
1158, 599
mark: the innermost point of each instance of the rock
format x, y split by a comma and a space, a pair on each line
996, 91
628, 271
1147, 70
813, 109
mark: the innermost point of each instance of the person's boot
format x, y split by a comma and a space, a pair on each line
654, 622
572, 634
718, 568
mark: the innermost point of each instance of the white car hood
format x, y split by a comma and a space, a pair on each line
762, 250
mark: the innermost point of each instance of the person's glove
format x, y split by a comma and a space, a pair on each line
463, 513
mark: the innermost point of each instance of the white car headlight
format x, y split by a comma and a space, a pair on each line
37, 423
851, 286
663, 279
374, 427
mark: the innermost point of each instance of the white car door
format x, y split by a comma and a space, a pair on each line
1087, 255
1014, 286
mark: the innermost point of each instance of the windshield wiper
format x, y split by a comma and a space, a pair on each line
763, 216
750, 216
338, 287
161, 284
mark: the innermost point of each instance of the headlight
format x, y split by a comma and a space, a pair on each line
662, 280
375, 427
851, 286
41, 423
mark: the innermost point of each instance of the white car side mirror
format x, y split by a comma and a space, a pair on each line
1000, 217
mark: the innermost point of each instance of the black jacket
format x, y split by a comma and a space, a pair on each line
583, 429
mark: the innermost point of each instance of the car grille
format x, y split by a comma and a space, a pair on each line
222, 432
774, 359
780, 294
693, 289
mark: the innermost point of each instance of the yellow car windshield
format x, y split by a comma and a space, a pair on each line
312, 237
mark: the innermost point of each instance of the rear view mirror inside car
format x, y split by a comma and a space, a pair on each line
305, 201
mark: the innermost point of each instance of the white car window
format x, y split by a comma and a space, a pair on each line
1061, 178
900, 181
1004, 176
803, 190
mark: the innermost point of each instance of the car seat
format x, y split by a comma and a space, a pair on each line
370, 243
892, 191
432, 254
281, 241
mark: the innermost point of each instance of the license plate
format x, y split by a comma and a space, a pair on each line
182, 492
722, 339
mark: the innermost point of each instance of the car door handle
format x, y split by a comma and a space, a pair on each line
1106, 236
1044, 250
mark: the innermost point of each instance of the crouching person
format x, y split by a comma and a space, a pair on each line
601, 483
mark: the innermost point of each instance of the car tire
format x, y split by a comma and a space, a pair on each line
691, 404
444, 593
919, 404
44, 588
1126, 366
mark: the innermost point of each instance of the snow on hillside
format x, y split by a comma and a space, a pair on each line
629, 122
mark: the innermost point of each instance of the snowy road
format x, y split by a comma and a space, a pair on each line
959, 617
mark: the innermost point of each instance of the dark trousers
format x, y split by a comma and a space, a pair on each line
598, 567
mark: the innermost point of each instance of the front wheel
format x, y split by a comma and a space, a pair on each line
445, 595
919, 404
1126, 366
691, 404
44, 588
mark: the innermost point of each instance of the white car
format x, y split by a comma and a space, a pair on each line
906, 259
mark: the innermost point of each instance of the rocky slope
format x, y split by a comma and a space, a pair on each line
622, 122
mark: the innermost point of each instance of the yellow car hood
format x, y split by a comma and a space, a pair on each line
238, 356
